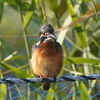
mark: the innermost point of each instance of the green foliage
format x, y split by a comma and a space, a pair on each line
1, 8
80, 32
16, 71
79, 60
30, 12
84, 93
3, 90
77, 27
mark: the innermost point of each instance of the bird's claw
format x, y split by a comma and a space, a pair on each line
42, 79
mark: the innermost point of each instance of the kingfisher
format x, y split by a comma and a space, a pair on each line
47, 55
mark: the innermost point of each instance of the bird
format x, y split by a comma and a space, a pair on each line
47, 55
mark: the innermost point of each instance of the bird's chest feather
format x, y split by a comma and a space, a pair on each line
47, 49
46, 59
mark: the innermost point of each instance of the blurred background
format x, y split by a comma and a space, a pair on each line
77, 27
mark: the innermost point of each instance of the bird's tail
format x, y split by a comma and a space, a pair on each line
46, 85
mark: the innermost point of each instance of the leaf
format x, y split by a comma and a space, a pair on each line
79, 60
27, 18
72, 72
66, 26
15, 57
83, 18
11, 2
3, 89
83, 92
50, 95
24, 6
10, 51
80, 33
53, 4
10, 56
18, 72
12, 70
63, 32
1, 8
29, 13
60, 10
6, 47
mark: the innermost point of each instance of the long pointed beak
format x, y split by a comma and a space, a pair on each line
50, 38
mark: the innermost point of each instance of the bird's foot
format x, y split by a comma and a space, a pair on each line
42, 79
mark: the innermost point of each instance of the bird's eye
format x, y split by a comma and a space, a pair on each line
44, 34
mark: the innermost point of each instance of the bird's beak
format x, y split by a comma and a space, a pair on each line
50, 38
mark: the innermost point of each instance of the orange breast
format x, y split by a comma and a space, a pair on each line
47, 60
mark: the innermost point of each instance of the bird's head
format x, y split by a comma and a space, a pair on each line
46, 34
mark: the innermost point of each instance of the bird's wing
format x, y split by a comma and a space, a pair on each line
33, 48
58, 46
